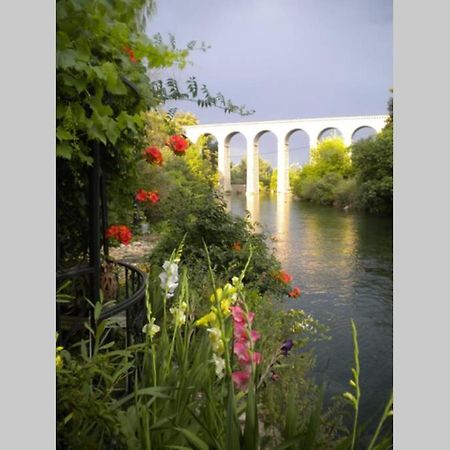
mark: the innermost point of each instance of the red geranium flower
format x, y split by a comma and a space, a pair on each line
153, 197
141, 195
121, 233
178, 144
125, 235
284, 277
296, 292
153, 155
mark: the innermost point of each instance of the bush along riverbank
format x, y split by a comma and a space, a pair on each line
359, 177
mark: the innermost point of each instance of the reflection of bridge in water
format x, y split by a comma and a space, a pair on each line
282, 129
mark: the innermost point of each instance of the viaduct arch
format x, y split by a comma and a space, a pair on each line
282, 129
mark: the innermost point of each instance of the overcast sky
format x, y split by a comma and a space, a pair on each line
286, 59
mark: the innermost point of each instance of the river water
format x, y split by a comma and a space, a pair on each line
342, 260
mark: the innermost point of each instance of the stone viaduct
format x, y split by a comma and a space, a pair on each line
282, 129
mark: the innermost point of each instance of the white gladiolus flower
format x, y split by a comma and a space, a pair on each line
169, 278
178, 315
216, 340
150, 328
220, 366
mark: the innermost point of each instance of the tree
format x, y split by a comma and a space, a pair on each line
373, 165
330, 164
239, 173
103, 58
265, 174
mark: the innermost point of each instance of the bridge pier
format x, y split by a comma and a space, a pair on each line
283, 166
224, 165
252, 167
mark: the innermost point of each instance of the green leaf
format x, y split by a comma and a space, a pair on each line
79, 83
63, 135
64, 150
97, 311
113, 82
232, 431
66, 58
251, 420
193, 439
112, 130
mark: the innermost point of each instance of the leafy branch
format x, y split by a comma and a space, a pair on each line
169, 90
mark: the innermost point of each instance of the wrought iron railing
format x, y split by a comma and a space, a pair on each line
126, 304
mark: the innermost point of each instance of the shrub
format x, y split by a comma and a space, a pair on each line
346, 193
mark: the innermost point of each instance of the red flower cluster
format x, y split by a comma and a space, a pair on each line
119, 232
153, 155
244, 340
153, 197
296, 292
284, 277
178, 144
143, 196
236, 246
131, 55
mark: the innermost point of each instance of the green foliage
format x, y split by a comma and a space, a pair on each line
239, 173
273, 180
346, 192
103, 58
373, 163
178, 401
196, 210
330, 164
265, 174
364, 181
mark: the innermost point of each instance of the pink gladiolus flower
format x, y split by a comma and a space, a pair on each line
241, 351
240, 331
256, 335
238, 314
240, 378
257, 358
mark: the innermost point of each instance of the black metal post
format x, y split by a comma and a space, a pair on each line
104, 213
94, 224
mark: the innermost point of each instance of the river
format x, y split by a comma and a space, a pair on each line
342, 260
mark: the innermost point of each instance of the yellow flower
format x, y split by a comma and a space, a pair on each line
225, 306
207, 319
219, 294
59, 361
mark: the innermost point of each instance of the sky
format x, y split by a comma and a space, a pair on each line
286, 59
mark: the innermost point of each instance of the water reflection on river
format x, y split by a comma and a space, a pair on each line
343, 263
